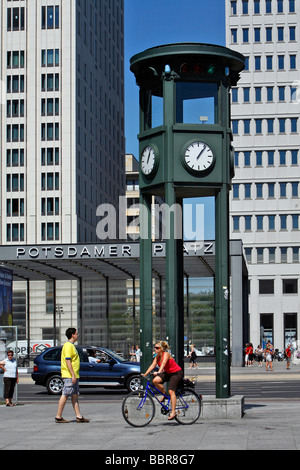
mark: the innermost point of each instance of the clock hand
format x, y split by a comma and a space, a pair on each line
204, 147
148, 156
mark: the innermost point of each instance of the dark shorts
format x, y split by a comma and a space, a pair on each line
174, 379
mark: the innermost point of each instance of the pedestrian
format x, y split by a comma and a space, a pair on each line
138, 354
269, 350
193, 358
70, 365
259, 354
251, 354
288, 355
169, 371
132, 354
10, 377
247, 350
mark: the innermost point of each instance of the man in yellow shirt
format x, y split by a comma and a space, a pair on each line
70, 365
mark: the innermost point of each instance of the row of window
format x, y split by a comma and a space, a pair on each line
289, 286
269, 190
269, 63
50, 107
15, 232
50, 82
273, 222
263, 6
261, 158
267, 36
15, 157
272, 255
267, 94
265, 126
50, 131
283, 62
15, 133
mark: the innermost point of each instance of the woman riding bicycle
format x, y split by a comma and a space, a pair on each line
169, 371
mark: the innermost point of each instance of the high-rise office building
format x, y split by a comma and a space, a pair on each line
265, 205
62, 129
62, 122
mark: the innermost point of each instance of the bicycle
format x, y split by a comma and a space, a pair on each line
138, 408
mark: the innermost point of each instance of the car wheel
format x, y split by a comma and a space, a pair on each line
54, 385
133, 383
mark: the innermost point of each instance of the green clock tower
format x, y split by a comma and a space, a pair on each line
185, 151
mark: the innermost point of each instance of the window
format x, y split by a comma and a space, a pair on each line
281, 62
257, 94
295, 191
280, 33
245, 7
282, 125
256, 7
268, 6
236, 223
270, 157
271, 219
245, 32
282, 190
256, 34
269, 93
292, 6
260, 255
292, 33
236, 188
293, 62
246, 126
270, 126
295, 222
259, 223
248, 223
257, 63
246, 91
271, 190
269, 59
259, 190
294, 125
235, 126
271, 255
234, 95
258, 158
247, 160
281, 93
247, 187
266, 286
258, 126
15, 19
50, 17
234, 36
233, 7
289, 286
268, 34
294, 155
283, 219
282, 157
279, 6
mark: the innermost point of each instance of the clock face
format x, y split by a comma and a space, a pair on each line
148, 160
198, 157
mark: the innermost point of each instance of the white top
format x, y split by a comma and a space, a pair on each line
11, 368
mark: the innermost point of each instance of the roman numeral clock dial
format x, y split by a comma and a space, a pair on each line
198, 158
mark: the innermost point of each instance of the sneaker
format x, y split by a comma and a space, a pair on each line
82, 420
61, 420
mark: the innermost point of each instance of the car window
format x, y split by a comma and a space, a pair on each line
52, 355
97, 355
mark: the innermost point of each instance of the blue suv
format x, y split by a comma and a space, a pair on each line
109, 370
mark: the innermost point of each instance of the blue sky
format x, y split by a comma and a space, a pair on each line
155, 22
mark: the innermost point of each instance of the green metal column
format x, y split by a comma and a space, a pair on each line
222, 294
145, 282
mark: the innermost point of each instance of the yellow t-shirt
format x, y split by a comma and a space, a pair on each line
69, 352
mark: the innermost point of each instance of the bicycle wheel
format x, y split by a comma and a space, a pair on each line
188, 406
138, 409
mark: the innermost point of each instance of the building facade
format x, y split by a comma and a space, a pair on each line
265, 205
62, 128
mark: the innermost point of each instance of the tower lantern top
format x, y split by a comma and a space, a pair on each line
188, 62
